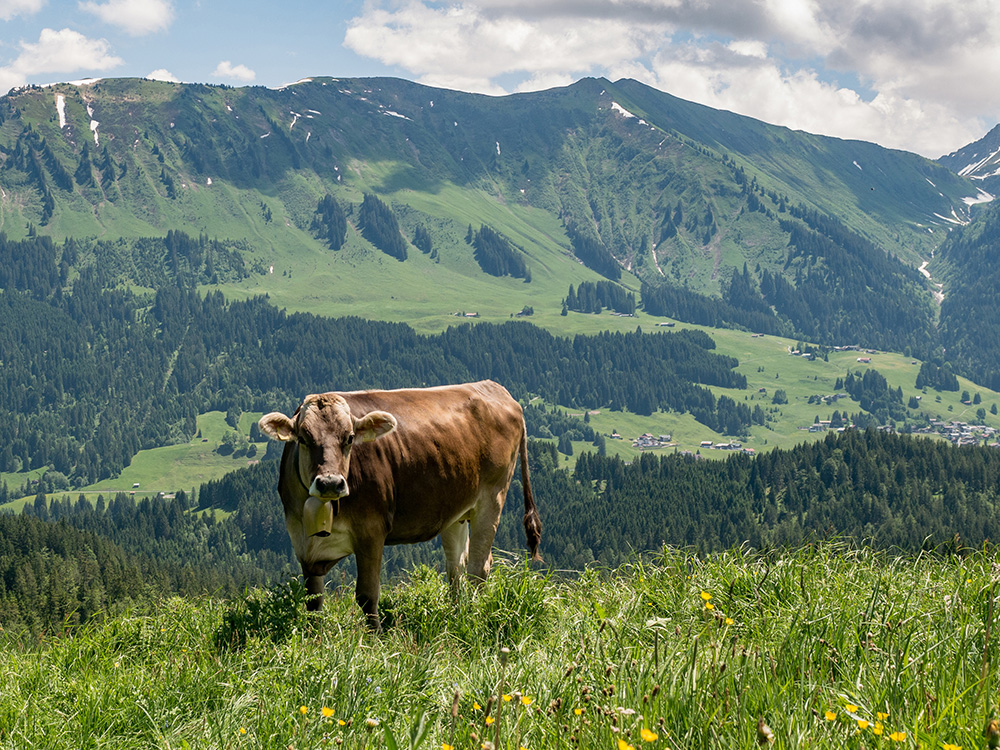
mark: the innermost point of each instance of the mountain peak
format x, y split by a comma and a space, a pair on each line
979, 160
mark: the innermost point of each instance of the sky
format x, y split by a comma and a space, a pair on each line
919, 75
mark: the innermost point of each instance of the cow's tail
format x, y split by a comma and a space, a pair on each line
532, 523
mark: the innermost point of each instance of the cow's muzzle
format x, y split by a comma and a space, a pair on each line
329, 487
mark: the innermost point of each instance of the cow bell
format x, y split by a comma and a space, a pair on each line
317, 516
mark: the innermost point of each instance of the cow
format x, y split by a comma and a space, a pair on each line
364, 469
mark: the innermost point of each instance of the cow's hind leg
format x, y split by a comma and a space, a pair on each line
455, 541
482, 529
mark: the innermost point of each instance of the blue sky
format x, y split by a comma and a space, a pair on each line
914, 74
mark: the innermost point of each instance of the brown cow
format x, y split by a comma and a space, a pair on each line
368, 468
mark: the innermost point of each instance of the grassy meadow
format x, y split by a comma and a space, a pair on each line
828, 646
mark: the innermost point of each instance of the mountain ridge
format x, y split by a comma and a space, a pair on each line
251, 136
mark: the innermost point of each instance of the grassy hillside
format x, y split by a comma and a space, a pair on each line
128, 158
826, 646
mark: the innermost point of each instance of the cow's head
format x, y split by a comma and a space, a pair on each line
324, 430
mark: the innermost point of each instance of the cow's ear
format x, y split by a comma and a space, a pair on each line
374, 425
277, 426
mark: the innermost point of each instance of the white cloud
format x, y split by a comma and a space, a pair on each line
905, 73
226, 69
462, 46
11, 8
162, 74
64, 51
798, 99
135, 17
749, 48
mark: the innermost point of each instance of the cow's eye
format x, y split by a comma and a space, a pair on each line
349, 440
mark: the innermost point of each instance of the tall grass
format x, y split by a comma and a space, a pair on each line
827, 645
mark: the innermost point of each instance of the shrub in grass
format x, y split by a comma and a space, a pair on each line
272, 613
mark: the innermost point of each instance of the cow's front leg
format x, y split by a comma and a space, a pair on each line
315, 588
313, 573
368, 555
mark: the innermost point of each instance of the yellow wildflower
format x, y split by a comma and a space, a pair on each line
877, 729
648, 736
709, 606
476, 705
830, 716
327, 712
243, 730
881, 715
623, 745
489, 720
949, 746
851, 708
446, 746
506, 698
705, 595
578, 711
303, 710
341, 722
729, 621
862, 723
527, 700
898, 736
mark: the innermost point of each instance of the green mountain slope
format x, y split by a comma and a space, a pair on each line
967, 267
611, 161
596, 179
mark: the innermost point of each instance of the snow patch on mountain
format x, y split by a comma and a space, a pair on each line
953, 219
61, 109
983, 197
93, 129
616, 107
975, 166
858, 166
621, 110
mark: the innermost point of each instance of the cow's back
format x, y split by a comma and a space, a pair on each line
450, 443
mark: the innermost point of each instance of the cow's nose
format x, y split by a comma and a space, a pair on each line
330, 485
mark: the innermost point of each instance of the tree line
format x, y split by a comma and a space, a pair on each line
380, 227
496, 254
65, 561
593, 297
